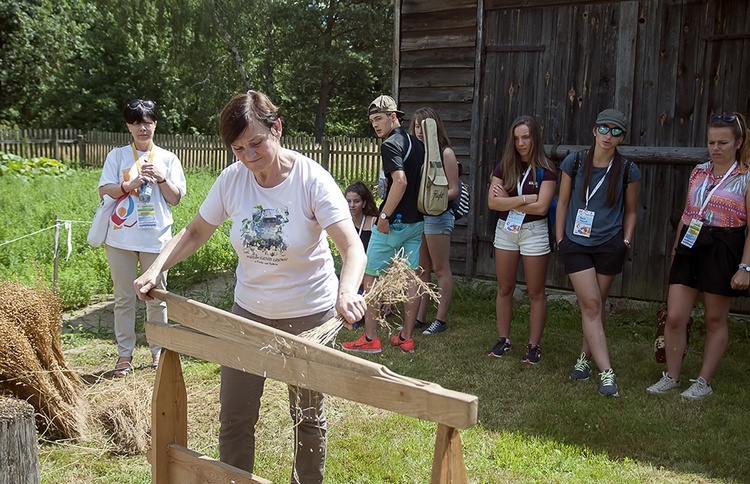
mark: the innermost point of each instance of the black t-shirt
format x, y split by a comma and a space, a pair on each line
393, 150
531, 187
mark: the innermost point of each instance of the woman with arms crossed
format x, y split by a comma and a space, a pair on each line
711, 253
595, 224
523, 198
281, 204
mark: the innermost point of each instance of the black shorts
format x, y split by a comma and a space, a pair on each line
710, 268
607, 258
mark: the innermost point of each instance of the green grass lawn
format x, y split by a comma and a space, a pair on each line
534, 423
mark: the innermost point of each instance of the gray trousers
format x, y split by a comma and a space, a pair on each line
240, 408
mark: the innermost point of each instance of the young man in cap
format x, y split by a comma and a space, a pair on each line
403, 156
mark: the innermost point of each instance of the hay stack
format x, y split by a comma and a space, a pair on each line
32, 365
123, 409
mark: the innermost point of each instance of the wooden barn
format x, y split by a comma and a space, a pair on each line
667, 64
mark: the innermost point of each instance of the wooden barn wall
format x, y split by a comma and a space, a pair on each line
666, 64
438, 50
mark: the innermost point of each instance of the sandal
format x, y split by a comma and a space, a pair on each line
123, 367
155, 360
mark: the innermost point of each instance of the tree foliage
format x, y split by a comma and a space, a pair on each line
74, 63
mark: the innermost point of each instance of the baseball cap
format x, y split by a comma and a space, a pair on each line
613, 116
383, 104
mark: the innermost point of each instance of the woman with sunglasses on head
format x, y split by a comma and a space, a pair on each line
146, 180
594, 229
522, 188
711, 253
282, 205
434, 254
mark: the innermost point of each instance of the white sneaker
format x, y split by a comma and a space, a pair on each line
664, 385
699, 389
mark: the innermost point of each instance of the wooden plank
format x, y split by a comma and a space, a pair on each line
452, 39
460, 17
448, 464
428, 6
439, 58
626, 59
249, 346
446, 77
436, 94
519, 4
189, 467
168, 414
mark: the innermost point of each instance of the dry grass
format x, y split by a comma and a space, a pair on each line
391, 288
32, 365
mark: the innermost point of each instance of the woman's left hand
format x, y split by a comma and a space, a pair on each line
351, 306
741, 280
151, 173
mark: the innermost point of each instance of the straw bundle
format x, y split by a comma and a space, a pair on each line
32, 365
391, 287
123, 409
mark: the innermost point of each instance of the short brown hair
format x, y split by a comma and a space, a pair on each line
243, 110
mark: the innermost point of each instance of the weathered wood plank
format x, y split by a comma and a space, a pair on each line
439, 58
437, 94
428, 6
461, 17
445, 77
452, 39
237, 341
518, 4
189, 467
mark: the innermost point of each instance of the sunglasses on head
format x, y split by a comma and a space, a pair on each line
604, 129
140, 102
725, 118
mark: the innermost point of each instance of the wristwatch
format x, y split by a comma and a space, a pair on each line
744, 267
383, 216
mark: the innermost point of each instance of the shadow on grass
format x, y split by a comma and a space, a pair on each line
708, 438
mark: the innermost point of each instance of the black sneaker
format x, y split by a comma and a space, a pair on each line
419, 324
533, 354
582, 369
436, 327
501, 347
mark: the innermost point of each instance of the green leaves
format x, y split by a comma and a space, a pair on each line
30, 168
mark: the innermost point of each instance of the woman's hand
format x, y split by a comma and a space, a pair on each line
351, 306
741, 280
145, 283
151, 174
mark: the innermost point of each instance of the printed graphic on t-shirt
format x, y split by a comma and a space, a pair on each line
262, 236
124, 215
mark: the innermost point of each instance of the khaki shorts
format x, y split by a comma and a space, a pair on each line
532, 239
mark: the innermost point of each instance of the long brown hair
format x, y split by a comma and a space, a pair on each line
511, 160
740, 130
369, 207
424, 113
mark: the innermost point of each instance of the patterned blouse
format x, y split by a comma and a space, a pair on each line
727, 207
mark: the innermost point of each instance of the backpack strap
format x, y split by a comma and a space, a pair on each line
408, 151
576, 167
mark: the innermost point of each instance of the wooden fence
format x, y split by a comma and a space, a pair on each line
348, 159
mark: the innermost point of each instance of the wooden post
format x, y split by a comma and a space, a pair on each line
19, 461
326, 153
448, 462
56, 262
168, 414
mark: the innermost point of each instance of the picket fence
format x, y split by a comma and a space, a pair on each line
348, 159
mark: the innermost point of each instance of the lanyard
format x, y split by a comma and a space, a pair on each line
708, 197
598, 185
136, 158
519, 185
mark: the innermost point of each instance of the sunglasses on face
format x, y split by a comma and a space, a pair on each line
604, 129
725, 118
140, 102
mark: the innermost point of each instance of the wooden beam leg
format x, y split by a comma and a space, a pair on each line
168, 414
448, 463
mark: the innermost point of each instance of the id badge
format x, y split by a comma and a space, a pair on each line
514, 221
692, 233
146, 216
584, 222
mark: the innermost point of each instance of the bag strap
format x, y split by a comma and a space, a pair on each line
408, 151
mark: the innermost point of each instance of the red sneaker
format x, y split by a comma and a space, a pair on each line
363, 346
405, 344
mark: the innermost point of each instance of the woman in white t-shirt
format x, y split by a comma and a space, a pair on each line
281, 204
146, 180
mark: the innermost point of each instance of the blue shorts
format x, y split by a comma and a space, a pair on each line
439, 224
383, 247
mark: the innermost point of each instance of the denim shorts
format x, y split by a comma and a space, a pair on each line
531, 240
439, 224
383, 247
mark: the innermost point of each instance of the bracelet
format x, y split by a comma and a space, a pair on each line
744, 267
524, 199
122, 187
626, 242
160, 182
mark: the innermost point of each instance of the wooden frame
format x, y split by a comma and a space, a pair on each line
230, 340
